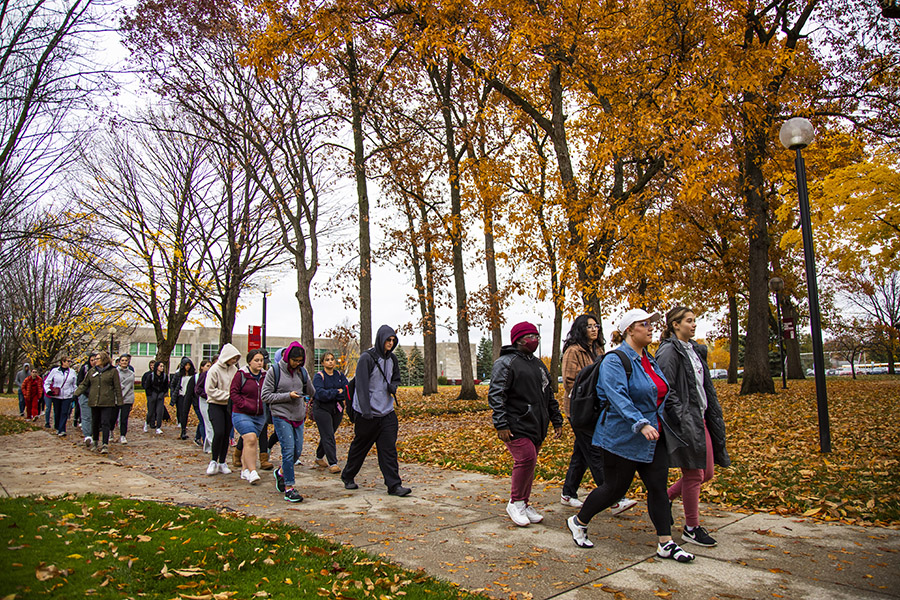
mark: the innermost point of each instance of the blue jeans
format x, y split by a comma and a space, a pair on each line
21, 402
248, 423
85, 416
61, 408
291, 440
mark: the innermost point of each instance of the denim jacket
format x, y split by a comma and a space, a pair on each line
632, 404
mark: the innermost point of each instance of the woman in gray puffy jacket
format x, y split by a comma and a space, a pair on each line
692, 410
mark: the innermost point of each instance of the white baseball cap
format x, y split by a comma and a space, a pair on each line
634, 315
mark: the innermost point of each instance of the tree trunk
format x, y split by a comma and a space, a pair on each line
490, 264
304, 300
757, 376
228, 316
362, 195
734, 343
792, 345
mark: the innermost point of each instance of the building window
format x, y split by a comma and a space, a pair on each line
210, 350
182, 350
143, 349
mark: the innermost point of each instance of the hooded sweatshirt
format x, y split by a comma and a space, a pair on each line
290, 380
126, 378
22, 375
220, 376
179, 381
377, 377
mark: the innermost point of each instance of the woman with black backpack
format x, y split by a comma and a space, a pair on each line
580, 349
328, 410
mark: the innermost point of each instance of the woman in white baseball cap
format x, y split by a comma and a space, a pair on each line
630, 432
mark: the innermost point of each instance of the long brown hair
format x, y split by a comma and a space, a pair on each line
673, 317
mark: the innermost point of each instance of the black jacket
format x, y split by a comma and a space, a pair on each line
682, 410
155, 386
521, 396
176, 379
367, 367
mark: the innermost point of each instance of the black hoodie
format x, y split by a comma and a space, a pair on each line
377, 377
176, 379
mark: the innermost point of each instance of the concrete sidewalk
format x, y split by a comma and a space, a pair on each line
454, 526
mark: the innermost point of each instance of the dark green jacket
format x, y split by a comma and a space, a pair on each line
102, 387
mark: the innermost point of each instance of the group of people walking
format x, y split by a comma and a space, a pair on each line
652, 414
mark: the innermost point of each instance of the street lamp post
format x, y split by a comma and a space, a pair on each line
540, 346
796, 134
776, 284
112, 333
266, 289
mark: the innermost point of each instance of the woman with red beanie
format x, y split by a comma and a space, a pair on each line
523, 405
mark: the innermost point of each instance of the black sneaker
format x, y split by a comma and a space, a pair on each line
699, 536
291, 495
279, 483
350, 485
198, 442
399, 490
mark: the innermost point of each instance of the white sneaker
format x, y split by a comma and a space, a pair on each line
621, 506
123, 441
516, 512
570, 501
213, 468
579, 533
253, 477
299, 463
245, 474
533, 515
146, 428
158, 431
87, 441
223, 468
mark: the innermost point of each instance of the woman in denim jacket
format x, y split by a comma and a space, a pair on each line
629, 431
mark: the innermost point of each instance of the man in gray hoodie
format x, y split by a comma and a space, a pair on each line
20, 377
376, 382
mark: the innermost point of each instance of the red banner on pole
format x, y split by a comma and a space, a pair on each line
787, 325
254, 337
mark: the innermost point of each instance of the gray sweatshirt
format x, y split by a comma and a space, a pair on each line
279, 400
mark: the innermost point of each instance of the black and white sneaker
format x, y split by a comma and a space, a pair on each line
579, 533
279, 482
674, 551
292, 495
699, 536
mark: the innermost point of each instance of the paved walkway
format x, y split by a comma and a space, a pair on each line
455, 527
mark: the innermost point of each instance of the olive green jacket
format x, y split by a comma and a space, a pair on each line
102, 387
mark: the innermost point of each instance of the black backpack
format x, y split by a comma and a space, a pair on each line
584, 405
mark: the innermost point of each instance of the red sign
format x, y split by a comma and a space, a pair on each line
787, 326
254, 337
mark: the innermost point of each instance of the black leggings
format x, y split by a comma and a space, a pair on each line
102, 418
220, 417
124, 412
618, 474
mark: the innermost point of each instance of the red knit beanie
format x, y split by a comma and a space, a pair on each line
523, 328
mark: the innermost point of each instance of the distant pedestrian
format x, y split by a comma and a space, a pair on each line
523, 406
328, 410
693, 412
104, 391
60, 388
218, 394
286, 392
248, 414
204, 433
21, 376
33, 390
84, 410
146, 379
181, 390
156, 387
631, 433
580, 349
376, 382
126, 379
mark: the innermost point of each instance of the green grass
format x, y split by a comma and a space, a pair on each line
106, 547
10, 425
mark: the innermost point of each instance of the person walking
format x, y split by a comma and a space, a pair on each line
126, 379
60, 387
181, 390
328, 410
84, 410
286, 391
32, 389
203, 435
218, 394
631, 433
248, 414
104, 391
376, 382
693, 412
581, 348
523, 407
21, 376
156, 387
